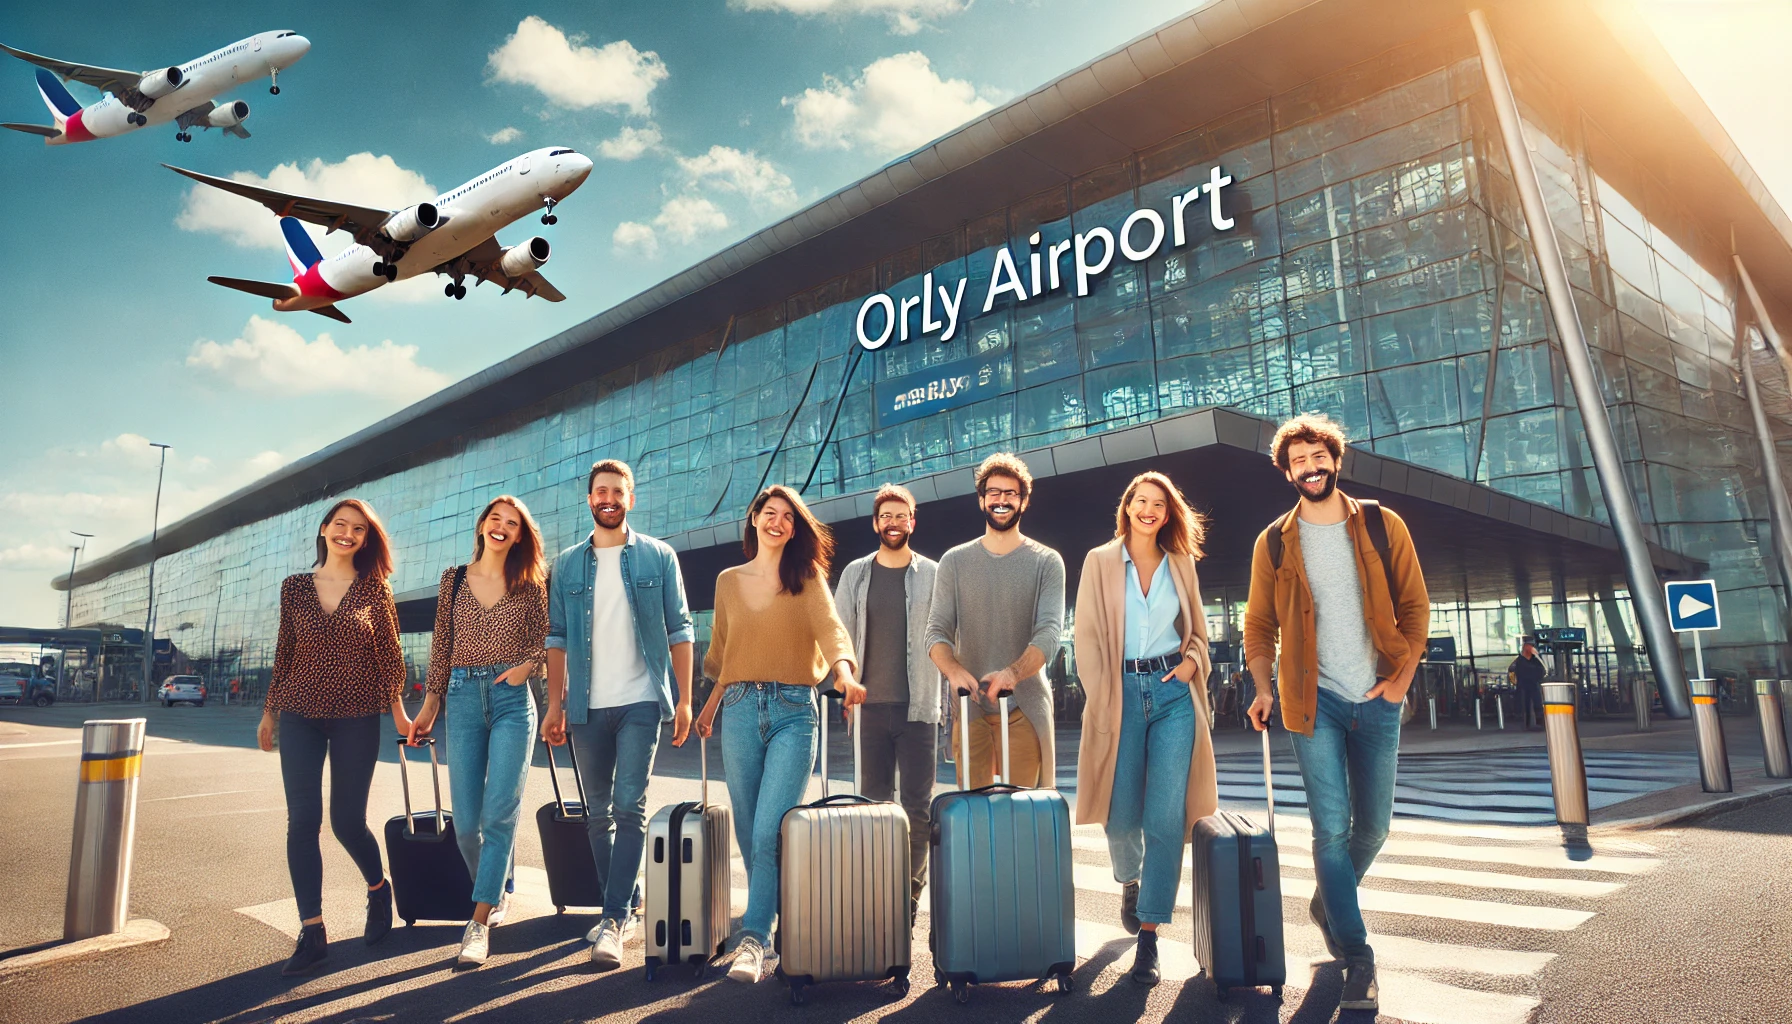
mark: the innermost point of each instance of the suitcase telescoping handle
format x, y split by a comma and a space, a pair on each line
1269, 784
435, 777
854, 728
578, 780
964, 740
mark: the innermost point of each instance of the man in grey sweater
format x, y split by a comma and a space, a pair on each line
997, 620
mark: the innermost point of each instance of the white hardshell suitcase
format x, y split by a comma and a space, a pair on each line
688, 884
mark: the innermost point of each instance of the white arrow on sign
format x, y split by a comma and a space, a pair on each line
1690, 606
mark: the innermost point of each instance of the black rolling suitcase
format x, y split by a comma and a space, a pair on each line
430, 881
1238, 898
565, 843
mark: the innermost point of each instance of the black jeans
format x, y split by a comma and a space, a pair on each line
1530, 695
889, 739
353, 747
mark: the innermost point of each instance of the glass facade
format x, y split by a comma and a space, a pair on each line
1378, 271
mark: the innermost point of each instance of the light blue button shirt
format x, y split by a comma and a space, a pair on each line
1150, 620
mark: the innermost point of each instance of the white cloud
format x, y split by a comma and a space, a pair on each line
633, 237
730, 170
685, 217
906, 17
897, 104
630, 143
360, 178
506, 134
272, 356
572, 74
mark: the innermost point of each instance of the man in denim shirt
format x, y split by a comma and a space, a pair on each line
619, 634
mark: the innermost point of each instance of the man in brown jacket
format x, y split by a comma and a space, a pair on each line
1336, 583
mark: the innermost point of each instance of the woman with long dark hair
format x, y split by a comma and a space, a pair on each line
491, 623
775, 637
337, 668
1145, 769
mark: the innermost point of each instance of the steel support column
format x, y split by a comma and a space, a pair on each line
1770, 463
1639, 569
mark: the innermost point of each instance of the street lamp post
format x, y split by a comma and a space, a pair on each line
149, 615
68, 611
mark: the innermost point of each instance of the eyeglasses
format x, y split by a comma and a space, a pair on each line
1002, 494
893, 517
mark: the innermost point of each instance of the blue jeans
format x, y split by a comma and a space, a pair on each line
615, 750
1348, 769
768, 749
1147, 811
491, 729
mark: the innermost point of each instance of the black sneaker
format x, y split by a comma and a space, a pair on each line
1144, 960
1129, 907
1360, 992
379, 913
311, 950
1316, 910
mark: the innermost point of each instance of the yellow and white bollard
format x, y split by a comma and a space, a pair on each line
1567, 769
99, 866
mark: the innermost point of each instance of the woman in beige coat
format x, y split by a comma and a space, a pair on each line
1145, 770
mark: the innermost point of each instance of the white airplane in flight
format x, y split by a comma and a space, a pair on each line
184, 94
455, 235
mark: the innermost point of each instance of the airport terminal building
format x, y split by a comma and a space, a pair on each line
1263, 207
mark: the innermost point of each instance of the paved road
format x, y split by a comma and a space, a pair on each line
1473, 922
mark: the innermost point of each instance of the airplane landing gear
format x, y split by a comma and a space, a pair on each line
274, 81
455, 290
386, 269
183, 137
548, 216
135, 118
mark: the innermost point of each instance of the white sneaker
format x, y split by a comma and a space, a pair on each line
606, 948
496, 917
749, 961
629, 924
475, 943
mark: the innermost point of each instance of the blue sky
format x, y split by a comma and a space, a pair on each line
707, 118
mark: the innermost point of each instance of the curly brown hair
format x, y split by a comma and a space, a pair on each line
1005, 464
1313, 428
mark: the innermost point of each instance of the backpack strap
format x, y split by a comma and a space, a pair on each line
460, 577
1377, 526
1274, 538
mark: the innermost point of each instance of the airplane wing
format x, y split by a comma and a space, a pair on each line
118, 82
362, 221
481, 261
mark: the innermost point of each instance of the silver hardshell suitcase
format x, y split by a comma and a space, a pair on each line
843, 886
688, 882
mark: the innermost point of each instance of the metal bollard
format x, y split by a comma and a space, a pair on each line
1786, 708
1567, 770
1477, 712
1499, 704
1433, 703
1773, 729
99, 866
1640, 697
1708, 736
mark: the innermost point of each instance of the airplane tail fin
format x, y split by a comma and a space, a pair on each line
56, 96
301, 251
265, 289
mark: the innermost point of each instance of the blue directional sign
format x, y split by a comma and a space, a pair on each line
1692, 605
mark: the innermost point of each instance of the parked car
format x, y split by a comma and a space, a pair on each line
182, 690
41, 691
12, 688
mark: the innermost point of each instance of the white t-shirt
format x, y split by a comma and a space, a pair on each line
618, 671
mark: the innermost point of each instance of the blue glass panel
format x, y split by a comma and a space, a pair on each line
1230, 310
1125, 393
1328, 352
1430, 332
1526, 442
1051, 413
1121, 339
1410, 397
1444, 449
1448, 279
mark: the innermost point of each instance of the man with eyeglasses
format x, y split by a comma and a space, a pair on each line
884, 599
996, 622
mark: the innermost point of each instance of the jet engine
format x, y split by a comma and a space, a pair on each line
412, 223
526, 258
158, 84
229, 115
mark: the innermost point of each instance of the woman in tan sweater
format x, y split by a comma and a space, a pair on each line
1145, 770
775, 637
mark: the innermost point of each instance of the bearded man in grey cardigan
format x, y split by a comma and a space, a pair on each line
997, 620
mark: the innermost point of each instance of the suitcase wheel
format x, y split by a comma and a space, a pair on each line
961, 991
1065, 984
797, 996
559, 909
899, 986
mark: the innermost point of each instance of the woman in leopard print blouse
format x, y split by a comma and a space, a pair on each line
491, 623
337, 668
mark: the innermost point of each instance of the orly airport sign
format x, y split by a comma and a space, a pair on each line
1091, 253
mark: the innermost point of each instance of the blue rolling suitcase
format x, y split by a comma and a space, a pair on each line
430, 881
1003, 900
1238, 898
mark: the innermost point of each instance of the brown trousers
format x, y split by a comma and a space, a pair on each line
986, 749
